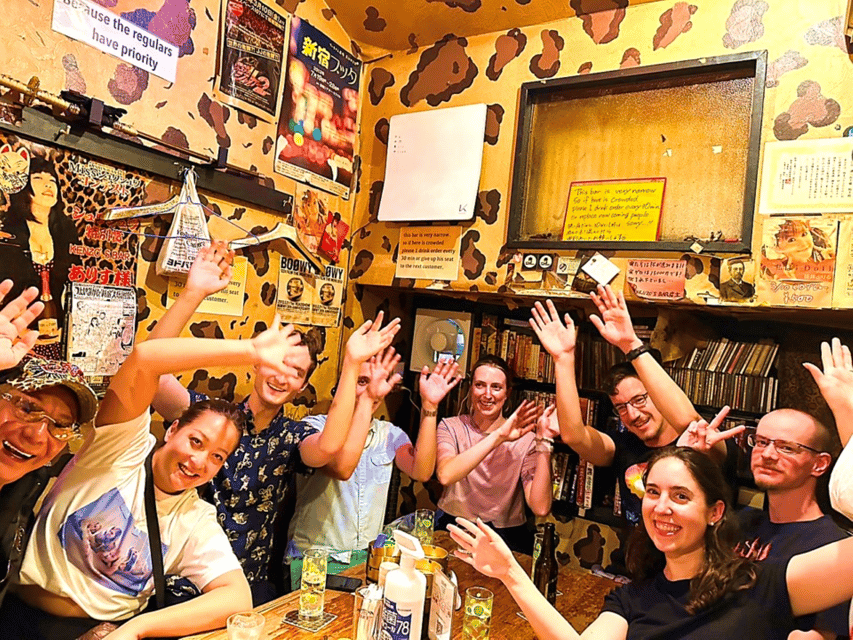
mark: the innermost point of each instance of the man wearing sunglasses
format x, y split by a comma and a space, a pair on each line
42, 404
791, 454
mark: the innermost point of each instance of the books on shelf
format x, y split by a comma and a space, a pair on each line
729, 372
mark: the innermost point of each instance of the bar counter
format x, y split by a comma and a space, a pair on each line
580, 603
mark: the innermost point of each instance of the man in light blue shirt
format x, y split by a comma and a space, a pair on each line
342, 506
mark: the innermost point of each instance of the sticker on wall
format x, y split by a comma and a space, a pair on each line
92, 24
228, 302
102, 327
655, 279
319, 111
428, 253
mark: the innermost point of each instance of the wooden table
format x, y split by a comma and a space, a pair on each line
580, 603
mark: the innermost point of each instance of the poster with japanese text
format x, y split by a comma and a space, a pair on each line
251, 56
797, 262
319, 110
102, 327
51, 231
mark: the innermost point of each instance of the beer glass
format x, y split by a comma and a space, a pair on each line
424, 522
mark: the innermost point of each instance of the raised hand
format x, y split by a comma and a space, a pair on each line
15, 339
547, 425
481, 547
522, 421
557, 338
614, 324
276, 346
836, 380
371, 338
382, 376
434, 386
211, 270
702, 436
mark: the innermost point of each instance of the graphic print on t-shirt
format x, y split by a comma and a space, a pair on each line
634, 479
101, 539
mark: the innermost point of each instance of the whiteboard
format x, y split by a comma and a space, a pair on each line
432, 170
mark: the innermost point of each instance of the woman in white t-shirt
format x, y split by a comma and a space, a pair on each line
491, 464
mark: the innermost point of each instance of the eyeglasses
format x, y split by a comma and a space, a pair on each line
28, 411
638, 402
785, 447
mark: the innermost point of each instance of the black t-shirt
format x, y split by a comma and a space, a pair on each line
655, 610
629, 462
762, 539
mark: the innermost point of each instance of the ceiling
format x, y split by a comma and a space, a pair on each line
394, 25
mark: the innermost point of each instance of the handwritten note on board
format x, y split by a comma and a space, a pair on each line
619, 210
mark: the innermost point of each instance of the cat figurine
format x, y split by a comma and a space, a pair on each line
14, 168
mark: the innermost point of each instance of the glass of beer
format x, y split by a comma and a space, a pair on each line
478, 613
313, 584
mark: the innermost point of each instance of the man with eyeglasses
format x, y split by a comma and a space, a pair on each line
791, 453
651, 406
41, 404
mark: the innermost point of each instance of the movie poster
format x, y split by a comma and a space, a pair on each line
319, 110
798, 255
51, 231
251, 56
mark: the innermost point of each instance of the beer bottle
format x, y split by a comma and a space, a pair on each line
48, 319
545, 567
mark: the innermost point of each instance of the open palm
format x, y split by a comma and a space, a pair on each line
434, 386
556, 337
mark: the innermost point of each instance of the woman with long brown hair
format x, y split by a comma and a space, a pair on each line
688, 583
491, 463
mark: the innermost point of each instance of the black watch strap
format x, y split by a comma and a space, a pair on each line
633, 354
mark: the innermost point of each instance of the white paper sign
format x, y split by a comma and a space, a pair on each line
90, 23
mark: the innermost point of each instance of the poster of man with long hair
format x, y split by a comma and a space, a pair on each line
317, 128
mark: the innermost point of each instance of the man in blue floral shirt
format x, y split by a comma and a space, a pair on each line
251, 484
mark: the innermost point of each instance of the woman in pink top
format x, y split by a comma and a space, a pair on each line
489, 463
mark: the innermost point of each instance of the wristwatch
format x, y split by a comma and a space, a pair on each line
633, 354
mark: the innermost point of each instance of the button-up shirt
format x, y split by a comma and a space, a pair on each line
251, 484
347, 514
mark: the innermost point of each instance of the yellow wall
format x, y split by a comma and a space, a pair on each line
808, 70
182, 113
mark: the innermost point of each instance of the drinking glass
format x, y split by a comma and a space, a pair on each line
313, 584
424, 520
246, 626
478, 613
365, 620
537, 548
